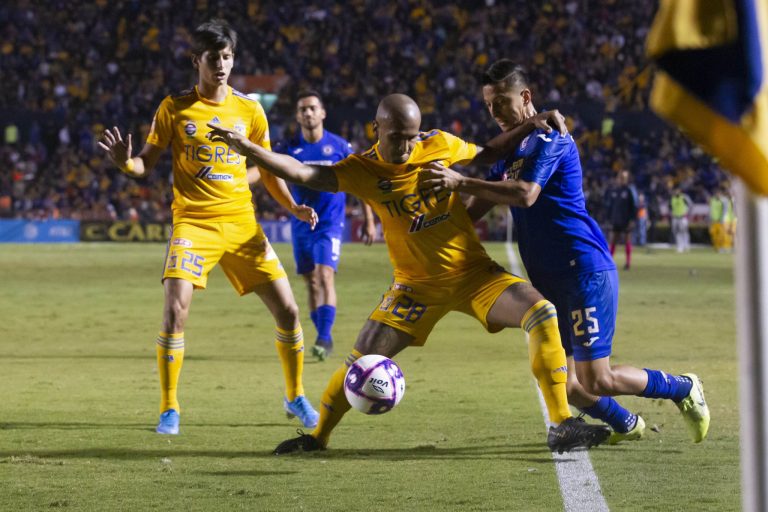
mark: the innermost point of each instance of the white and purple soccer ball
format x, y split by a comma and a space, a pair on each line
374, 384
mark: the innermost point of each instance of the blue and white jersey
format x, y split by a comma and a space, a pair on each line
556, 235
329, 206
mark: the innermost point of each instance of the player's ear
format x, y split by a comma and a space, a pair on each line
375, 126
527, 96
195, 61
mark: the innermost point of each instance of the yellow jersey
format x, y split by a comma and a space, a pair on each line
429, 234
209, 178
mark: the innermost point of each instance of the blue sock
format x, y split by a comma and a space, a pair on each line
326, 315
663, 385
608, 410
313, 316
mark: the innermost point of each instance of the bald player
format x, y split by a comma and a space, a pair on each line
439, 263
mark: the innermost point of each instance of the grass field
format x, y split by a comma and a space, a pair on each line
79, 397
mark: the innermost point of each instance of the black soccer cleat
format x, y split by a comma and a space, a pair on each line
576, 433
303, 443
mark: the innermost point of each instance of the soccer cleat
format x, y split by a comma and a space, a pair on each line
637, 432
576, 433
302, 409
169, 422
303, 443
321, 350
694, 410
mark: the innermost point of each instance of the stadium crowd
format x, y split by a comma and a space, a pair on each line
70, 72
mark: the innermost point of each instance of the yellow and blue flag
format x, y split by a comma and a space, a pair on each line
712, 79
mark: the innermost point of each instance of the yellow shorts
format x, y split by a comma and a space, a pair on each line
242, 248
415, 306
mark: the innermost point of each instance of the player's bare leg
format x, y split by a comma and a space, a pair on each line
289, 342
686, 390
626, 425
170, 350
522, 305
374, 338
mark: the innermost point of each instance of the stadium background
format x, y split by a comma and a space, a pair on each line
71, 68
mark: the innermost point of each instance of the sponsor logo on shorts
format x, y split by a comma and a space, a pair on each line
183, 242
402, 288
420, 223
591, 341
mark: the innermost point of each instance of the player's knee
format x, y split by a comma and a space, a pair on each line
175, 316
601, 384
288, 314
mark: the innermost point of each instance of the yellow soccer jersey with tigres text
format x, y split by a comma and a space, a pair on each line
209, 178
428, 234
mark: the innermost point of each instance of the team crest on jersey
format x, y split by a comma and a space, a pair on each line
240, 128
190, 128
183, 242
327, 149
525, 142
385, 185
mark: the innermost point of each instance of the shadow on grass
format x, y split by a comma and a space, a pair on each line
142, 357
58, 425
531, 453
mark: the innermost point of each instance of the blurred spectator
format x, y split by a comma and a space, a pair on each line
69, 65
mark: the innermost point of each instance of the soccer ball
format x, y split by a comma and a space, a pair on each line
374, 384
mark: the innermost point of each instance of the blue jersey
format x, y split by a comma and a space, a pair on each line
556, 235
329, 206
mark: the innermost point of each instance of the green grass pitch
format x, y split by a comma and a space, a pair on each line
79, 396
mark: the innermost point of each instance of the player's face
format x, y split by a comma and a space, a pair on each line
214, 66
507, 106
397, 140
310, 112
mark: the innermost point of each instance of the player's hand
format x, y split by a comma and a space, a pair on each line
548, 120
438, 177
305, 214
368, 234
231, 138
119, 150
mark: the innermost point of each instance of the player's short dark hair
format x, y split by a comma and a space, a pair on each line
507, 73
309, 93
215, 34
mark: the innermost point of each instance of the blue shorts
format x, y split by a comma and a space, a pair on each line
586, 311
317, 248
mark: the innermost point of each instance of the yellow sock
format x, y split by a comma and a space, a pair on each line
547, 357
334, 405
170, 357
290, 348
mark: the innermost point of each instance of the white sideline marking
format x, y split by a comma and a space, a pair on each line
578, 482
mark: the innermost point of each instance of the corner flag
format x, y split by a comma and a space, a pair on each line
713, 79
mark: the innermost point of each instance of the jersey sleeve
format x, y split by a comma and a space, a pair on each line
459, 150
161, 131
542, 161
348, 174
260, 128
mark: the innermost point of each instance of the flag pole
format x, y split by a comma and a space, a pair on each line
752, 331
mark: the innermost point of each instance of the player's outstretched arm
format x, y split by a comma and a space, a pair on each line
119, 151
518, 193
318, 177
505, 143
279, 191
